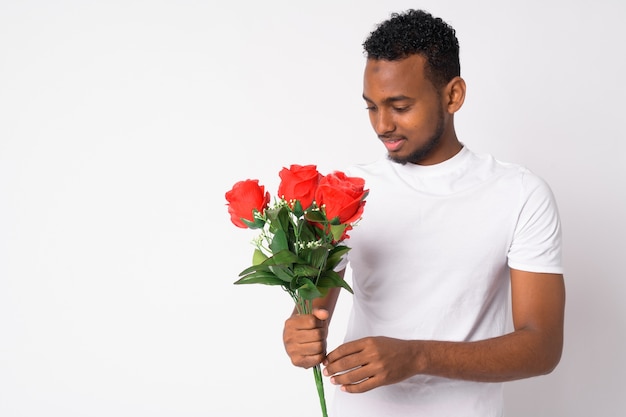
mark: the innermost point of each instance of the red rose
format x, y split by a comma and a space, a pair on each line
341, 196
299, 182
245, 197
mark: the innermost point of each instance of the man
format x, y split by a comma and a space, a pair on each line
446, 233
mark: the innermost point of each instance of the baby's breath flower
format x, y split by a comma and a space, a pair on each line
258, 240
314, 244
309, 244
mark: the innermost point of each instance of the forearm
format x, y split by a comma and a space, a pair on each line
534, 348
520, 354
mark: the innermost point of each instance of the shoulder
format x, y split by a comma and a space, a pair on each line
517, 174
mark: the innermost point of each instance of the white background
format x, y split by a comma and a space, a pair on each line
123, 123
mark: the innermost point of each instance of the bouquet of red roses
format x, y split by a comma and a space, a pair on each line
301, 233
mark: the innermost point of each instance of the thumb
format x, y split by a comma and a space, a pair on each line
321, 313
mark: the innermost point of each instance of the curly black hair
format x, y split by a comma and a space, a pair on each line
417, 32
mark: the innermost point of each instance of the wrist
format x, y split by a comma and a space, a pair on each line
418, 350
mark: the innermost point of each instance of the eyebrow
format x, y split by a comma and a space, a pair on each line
389, 100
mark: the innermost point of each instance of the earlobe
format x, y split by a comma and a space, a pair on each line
456, 94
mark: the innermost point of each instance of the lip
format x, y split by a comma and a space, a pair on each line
393, 145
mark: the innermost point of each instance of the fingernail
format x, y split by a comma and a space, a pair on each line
325, 372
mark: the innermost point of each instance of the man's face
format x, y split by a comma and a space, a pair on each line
405, 109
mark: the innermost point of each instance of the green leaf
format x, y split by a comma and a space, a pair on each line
318, 256
280, 265
337, 231
283, 218
254, 268
303, 271
282, 272
297, 208
279, 242
335, 256
260, 277
256, 224
308, 232
315, 216
307, 290
331, 279
272, 213
285, 257
258, 257
273, 216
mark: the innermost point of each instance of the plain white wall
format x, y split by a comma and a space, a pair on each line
122, 124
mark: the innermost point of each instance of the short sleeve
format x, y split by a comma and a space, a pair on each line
537, 240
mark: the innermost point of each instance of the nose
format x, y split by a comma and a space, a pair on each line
382, 122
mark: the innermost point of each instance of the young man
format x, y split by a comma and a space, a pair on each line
445, 234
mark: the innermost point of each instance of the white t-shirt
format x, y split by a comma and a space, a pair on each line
430, 260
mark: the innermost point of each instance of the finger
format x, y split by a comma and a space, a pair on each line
311, 339
321, 314
307, 361
305, 336
352, 376
361, 386
303, 322
343, 358
359, 379
303, 343
306, 354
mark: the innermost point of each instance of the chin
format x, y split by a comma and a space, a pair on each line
398, 159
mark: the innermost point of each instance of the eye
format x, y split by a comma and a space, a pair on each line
370, 108
401, 109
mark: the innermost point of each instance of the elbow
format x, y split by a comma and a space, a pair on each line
549, 359
547, 367
552, 363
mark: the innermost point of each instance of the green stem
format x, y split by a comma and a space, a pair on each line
305, 307
320, 389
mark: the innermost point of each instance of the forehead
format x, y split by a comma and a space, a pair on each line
406, 77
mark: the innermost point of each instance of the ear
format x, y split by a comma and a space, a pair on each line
455, 94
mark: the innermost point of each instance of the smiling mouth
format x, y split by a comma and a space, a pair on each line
392, 144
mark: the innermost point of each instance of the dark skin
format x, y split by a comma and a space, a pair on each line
415, 121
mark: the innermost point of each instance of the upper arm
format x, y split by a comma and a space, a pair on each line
538, 307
